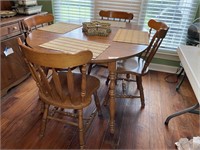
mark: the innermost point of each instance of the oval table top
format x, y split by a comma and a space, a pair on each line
116, 50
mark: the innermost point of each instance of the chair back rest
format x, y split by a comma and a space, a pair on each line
153, 24
38, 62
161, 31
34, 22
116, 15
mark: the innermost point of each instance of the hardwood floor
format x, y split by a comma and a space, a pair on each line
136, 128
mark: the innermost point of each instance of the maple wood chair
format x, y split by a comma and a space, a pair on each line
37, 21
138, 66
65, 90
34, 22
114, 16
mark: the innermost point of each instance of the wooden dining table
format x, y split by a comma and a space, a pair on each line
116, 51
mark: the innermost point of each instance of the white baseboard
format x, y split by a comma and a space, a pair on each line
163, 68
167, 56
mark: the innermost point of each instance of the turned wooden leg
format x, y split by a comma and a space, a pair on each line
96, 98
137, 82
42, 106
112, 77
44, 120
80, 127
139, 79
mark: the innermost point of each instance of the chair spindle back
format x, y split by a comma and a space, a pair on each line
39, 61
34, 22
161, 31
116, 15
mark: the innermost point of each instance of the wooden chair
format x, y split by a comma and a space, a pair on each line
116, 15
138, 66
34, 22
155, 25
64, 90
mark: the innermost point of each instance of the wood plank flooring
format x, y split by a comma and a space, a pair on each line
136, 128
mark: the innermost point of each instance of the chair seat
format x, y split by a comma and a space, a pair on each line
133, 65
77, 102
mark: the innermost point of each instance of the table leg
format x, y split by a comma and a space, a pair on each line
112, 77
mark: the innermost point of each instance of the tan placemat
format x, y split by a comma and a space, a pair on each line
132, 36
71, 45
114, 23
60, 27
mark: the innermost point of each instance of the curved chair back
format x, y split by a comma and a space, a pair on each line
161, 31
116, 15
153, 24
34, 22
39, 61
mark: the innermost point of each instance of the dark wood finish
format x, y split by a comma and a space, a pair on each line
16, 18
6, 5
13, 67
110, 55
10, 30
116, 15
135, 128
63, 89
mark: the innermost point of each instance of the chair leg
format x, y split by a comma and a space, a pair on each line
139, 82
42, 106
124, 88
44, 120
107, 81
96, 99
81, 130
90, 69
105, 102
